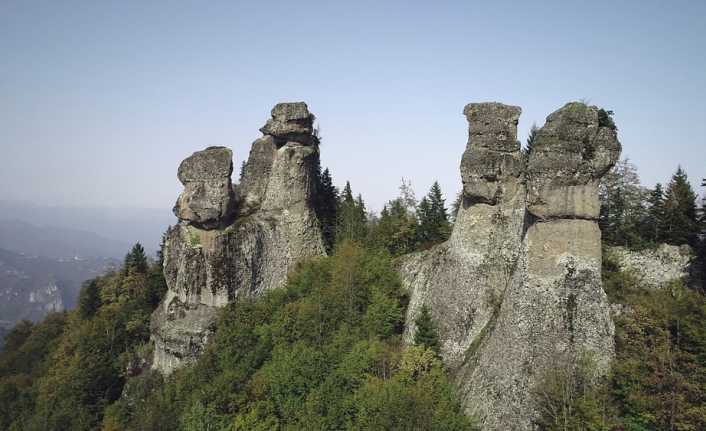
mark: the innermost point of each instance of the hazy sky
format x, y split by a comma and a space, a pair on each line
99, 103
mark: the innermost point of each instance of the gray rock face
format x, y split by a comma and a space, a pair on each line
206, 267
575, 148
655, 268
491, 166
290, 122
208, 200
517, 287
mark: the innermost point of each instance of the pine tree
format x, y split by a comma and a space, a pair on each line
89, 299
433, 217
136, 259
679, 224
351, 223
655, 214
426, 334
531, 138
327, 207
426, 221
622, 208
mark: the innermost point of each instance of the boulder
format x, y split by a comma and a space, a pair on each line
208, 200
291, 122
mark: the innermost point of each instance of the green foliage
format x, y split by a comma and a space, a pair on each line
679, 224
426, 334
658, 378
351, 217
136, 259
434, 226
89, 299
326, 207
61, 374
324, 353
396, 229
637, 218
531, 138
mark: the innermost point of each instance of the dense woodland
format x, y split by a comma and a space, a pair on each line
326, 351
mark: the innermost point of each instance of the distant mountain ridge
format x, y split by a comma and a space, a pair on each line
57, 242
122, 227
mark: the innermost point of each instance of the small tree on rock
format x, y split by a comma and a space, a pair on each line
426, 334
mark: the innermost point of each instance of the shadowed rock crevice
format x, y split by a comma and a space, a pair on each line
518, 284
240, 240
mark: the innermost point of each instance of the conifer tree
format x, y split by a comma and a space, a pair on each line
426, 334
136, 259
89, 299
654, 214
679, 223
433, 217
351, 217
531, 138
327, 207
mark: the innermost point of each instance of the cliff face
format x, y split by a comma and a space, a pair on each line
517, 288
236, 240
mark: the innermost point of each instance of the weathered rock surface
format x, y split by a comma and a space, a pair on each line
274, 225
290, 122
575, 148
208, 200
517, 287
655, 268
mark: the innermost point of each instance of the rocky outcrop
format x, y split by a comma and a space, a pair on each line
517, 287
208, 200
655, 268
236, 241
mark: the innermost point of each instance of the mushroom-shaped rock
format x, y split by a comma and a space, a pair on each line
208, 200
290, 122
575, 148
491, 166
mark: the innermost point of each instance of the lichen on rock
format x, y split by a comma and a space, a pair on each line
236, 241
518, 283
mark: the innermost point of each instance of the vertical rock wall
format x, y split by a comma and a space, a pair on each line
234, 241
517, 287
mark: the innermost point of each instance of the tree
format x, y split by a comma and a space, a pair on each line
426, 334
680, 224
531, 138
655, 214
433, 217
622, 207
351, 217
396, 228
326, 207
136, 259
89, 299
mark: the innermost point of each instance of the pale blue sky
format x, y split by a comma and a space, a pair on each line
99, 103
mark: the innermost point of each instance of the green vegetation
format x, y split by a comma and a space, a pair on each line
426, 334
325, 352
635, 217
658, 378
62, 373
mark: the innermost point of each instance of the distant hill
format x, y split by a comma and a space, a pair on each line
122, 227
57, 242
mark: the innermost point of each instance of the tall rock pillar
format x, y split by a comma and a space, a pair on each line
236, 240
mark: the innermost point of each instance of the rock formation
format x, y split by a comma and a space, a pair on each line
517, 287
655, 268
236, 240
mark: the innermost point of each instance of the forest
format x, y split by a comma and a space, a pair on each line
327, 351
